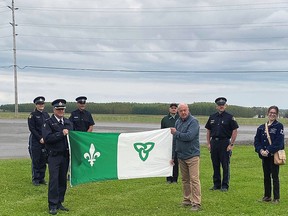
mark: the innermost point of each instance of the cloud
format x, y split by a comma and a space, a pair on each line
183, 38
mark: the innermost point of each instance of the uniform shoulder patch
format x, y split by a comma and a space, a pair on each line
30, 116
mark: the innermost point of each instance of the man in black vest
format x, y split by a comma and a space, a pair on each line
55, 132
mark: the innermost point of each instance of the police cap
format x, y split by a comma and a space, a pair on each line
81, 99
173, 105
220, 101
39, 100
59, 104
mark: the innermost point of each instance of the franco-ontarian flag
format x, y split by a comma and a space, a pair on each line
103, 156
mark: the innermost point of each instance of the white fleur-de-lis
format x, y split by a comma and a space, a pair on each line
92, 155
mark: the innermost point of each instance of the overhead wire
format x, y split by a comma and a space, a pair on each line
154, 39
165, 9
154, 71
205, 26
153, 51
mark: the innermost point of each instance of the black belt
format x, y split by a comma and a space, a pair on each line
55, 153
220, 138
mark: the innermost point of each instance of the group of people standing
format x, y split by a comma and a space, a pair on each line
221, 135
48, 144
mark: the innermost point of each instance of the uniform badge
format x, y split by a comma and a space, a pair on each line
30, 116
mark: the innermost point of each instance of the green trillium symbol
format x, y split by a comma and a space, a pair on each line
143, 149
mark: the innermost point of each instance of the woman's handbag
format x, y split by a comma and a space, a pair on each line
279, 156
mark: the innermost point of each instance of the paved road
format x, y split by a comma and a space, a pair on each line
14, 134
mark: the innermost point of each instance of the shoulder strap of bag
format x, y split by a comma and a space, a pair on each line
267, 133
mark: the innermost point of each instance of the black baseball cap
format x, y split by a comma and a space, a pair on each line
173, 104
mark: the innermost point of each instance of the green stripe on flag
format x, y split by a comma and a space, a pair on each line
93, 156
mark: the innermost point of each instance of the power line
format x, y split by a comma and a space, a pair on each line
6, 66
140, 27
152, 9
155, 51
153, 39
155, 71
150, 71
157, 11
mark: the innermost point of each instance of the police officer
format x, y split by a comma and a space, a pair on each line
82, 119
168, 121
55, 132
221, 135
36, 147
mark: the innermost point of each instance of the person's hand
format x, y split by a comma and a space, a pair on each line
229, 147
172, 162
65, 132
209, 147
173, 130
264, 153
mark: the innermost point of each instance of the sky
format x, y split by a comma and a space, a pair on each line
146, 51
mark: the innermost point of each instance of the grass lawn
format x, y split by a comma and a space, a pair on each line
151, 196
143, 118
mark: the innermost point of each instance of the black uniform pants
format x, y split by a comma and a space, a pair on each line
58, 167
271, 170
220, 156
38, 156
174, 177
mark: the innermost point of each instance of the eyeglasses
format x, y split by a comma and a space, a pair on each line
272, 113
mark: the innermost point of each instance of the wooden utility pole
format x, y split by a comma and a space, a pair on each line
12, 7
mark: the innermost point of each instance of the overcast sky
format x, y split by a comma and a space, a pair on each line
147, 51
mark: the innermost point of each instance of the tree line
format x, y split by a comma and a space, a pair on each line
197, 108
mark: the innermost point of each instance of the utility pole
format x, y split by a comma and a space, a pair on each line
12, 7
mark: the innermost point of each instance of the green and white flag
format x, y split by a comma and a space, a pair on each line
103, 156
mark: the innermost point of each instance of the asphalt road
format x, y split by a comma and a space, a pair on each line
14, 134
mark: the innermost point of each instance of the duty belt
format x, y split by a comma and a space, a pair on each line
219, 138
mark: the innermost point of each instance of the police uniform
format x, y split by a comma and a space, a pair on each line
81, 119
221, 126
36, 149
58, 156
168, 121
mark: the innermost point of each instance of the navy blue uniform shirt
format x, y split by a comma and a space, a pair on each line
81, 120
221, 125
35, 121
54, 138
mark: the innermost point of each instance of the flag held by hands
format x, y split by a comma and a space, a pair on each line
104, 156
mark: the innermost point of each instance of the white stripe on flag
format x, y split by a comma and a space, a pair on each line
155, 164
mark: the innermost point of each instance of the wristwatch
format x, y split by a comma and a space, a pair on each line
231, 144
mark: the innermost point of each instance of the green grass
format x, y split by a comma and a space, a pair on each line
143, 118
151, 196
